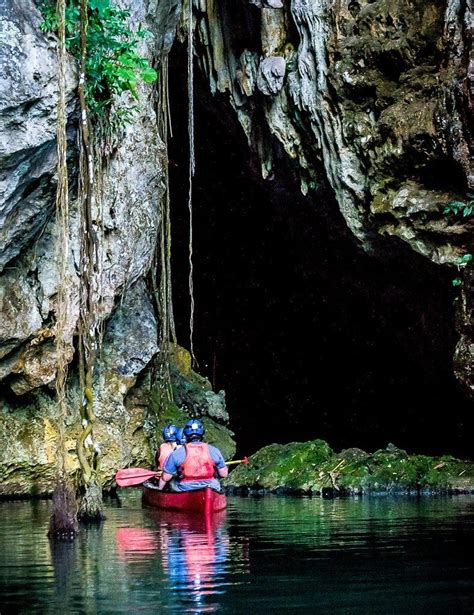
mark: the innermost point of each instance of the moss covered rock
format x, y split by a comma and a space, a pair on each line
192, 396
192, 391
313, 467
163, 414
127, 431
293, 466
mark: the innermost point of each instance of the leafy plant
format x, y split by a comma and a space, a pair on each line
463, 208
462, 262
113, 64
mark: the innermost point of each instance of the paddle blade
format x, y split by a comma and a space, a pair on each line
129, 477
245, 461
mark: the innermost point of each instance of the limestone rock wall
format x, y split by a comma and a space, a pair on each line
127, 219
374, 96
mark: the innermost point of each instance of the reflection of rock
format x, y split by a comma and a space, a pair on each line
271, 75
312, 467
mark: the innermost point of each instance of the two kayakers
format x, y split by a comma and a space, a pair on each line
168, 446
196, 464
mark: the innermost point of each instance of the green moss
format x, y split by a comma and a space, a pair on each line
168, 412
292, 466
220, 436
313, 467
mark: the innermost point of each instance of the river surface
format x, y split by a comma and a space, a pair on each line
274, 554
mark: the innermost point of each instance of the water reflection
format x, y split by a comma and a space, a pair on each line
62, 556
194, 553
133, 542
368, 556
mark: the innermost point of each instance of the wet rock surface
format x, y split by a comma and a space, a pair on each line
28, 100
374, 99
313, 468
127, 219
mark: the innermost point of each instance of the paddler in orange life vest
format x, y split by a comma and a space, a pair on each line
168, 446
196, 464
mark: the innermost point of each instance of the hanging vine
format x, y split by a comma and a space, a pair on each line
192, 166
87, 450
63, 520
98, 34
161, 270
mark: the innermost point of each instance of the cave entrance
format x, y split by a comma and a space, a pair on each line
308, 335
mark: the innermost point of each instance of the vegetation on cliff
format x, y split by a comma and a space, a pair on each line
113, 63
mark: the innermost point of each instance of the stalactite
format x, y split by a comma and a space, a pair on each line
63, 520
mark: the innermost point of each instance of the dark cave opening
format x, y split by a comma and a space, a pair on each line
308, 335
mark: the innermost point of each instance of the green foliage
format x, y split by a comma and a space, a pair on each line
461, 208
113, 65
462, 261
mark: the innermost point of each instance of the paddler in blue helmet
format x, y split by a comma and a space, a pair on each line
195, 465
167, 447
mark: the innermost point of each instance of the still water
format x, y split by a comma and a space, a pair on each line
273, 554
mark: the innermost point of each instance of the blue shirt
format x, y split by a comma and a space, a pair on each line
176, 459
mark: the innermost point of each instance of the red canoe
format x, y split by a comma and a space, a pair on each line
204, 501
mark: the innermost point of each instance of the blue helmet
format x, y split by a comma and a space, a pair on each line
169, 433
180, 437
193, 427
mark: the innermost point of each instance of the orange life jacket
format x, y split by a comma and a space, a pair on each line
198, 464
162, 455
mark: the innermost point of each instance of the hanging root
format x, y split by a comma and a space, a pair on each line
63, 520
91, 506
192, 166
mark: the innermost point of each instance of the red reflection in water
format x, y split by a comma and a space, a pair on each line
194, 550
135, 540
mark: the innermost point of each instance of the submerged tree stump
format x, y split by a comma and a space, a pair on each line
63, 521
91, 503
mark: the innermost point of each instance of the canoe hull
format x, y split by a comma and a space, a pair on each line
204, 501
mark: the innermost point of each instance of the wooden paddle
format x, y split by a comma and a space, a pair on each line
130, 477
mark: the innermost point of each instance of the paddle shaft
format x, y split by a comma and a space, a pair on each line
130, 477
236, 461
